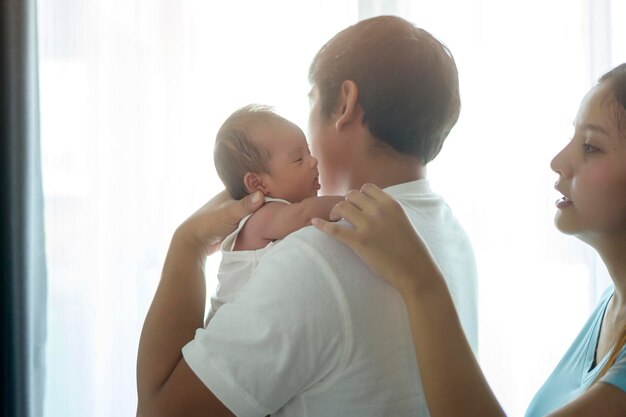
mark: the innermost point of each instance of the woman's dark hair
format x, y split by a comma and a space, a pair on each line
407, 82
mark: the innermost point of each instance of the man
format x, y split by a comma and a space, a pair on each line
314, 332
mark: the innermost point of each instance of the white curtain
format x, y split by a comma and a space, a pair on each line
133, 91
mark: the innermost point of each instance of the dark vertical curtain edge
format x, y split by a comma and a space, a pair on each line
22, 254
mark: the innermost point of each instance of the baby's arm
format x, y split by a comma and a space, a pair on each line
283, 219
273, 221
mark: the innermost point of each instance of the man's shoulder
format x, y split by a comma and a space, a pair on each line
309, 239
299, 242
310, 251
301, 267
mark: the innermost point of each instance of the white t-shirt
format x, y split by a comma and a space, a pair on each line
315, 333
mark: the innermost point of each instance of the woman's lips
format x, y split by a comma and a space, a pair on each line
563, 202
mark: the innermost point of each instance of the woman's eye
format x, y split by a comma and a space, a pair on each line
589, 148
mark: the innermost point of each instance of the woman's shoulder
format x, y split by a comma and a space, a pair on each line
616, 375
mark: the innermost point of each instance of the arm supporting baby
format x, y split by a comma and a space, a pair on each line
165, 384
287, 218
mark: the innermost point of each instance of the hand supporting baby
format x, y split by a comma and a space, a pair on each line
209, 225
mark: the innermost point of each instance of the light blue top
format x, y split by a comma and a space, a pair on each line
576, 371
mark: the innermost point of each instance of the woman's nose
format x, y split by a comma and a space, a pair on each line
553, 164
558, 164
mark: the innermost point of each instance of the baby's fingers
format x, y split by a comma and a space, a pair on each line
350, 212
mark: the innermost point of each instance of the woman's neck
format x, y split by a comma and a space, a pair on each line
613, 254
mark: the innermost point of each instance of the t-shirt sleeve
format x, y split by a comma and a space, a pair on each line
616, 375
285, 331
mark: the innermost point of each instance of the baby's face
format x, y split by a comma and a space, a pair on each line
293, 170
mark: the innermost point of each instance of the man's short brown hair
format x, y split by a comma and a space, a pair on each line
407, 80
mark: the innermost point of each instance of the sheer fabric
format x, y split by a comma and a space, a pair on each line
132, 94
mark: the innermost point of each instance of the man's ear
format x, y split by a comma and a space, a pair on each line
254, 182
349, 109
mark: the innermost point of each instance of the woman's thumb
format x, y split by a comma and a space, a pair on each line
238, 209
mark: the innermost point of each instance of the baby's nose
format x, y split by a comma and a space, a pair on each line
313, 161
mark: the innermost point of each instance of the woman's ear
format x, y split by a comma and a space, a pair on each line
254, 182
348, 104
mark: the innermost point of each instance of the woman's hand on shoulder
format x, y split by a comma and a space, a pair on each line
210, 224
383, 237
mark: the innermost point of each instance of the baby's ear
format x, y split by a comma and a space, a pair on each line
254, 182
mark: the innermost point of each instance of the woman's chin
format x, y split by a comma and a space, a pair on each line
564, 225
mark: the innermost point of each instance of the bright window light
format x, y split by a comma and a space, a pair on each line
133, 92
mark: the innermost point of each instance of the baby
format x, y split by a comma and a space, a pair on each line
258, 150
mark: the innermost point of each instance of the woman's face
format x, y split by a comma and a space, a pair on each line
592, 171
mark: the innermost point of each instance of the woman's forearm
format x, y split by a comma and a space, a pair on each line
453, 382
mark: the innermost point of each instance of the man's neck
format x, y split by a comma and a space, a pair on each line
384, 170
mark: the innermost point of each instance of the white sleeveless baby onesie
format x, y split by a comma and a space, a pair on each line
236, 266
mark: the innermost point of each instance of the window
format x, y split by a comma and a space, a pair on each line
132, 93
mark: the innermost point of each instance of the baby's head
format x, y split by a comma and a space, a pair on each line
258, 150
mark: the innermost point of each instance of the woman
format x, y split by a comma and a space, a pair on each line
591, 379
